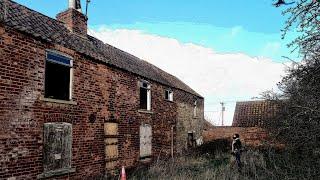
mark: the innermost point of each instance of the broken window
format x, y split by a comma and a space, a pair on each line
195, 109
58, 76
145, 96
169, 95
57, 146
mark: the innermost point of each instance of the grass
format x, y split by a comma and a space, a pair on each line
219, 166
214, 161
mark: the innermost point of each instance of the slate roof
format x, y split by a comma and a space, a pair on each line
40, 26
254, 113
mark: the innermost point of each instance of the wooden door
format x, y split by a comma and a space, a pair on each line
57, 146
145, 141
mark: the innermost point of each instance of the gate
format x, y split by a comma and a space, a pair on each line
111, 145
145, 141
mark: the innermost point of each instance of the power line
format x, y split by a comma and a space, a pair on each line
232, 100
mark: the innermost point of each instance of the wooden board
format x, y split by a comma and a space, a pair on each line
111, 145
111, 129
145, 140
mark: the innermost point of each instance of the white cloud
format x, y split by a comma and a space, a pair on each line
216, 76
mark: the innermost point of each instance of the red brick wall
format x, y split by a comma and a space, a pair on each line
109, 93
250, 136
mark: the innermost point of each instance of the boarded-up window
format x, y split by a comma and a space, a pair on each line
145, 141
57, 146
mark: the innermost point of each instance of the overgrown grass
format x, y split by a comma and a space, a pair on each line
214, 161
219, 166
222, 166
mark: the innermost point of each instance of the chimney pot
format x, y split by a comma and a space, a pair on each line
72, 4
75, 4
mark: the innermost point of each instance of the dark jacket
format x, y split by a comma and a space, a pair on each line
236, 145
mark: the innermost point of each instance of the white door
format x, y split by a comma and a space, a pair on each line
145, 141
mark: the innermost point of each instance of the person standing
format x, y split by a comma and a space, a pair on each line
236, 150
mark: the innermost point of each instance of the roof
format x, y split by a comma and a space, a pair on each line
51, 30
207, 125
254, 113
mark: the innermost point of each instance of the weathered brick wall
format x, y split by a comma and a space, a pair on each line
250, 136
186, 121
74, 20
110, 94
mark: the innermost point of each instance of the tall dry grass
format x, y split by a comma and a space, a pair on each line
220, 166
257, 165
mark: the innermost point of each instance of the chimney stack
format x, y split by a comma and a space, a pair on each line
73, 18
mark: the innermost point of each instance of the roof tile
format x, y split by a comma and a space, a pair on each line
51, 30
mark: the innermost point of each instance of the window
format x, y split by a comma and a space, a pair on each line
169, 95
195, 109
145, 96
58, 80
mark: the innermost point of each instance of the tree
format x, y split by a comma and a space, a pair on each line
298, 123
304, 17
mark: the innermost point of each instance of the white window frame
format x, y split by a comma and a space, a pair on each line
71, 81
170, 94
195, 108
141, 85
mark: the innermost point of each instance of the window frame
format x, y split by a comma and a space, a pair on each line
170, 95
50, 55
195, 108
148, 88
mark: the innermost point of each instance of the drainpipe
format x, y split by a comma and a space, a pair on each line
172, 144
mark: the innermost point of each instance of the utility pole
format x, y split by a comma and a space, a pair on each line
222, 113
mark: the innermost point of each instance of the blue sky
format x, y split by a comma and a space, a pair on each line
226, 50
208, 23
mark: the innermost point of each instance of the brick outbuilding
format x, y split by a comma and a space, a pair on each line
74, 107
254, 113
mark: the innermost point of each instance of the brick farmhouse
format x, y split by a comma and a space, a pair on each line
74, 107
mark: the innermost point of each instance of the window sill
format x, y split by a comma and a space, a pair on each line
145, 159
56, 173
58, 101
169, 100
145, 111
